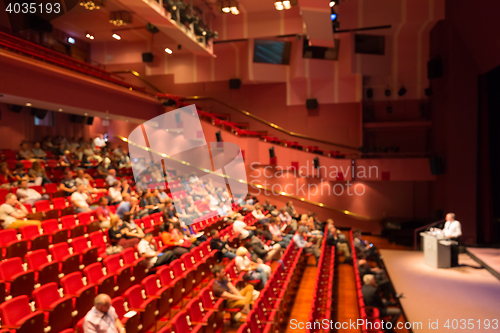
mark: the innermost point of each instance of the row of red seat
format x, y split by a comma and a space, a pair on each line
369, 315
323, 301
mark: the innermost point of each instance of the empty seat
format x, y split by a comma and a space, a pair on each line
11, 245
139, 265
59, 309
98, 240
37, 240
19, 281
209, 319
48, 211
82, 246
46, 270
145, 306
52, 228
167, 278
124, 278
130, 320
181, 323
70, 262
72, 285
85, 218
16, 314
69, 222
153, 288
105, 282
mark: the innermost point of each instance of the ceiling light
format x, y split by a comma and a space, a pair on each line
85, 114
332, 3
60, 110
287, 4
226, 9
169, 51
279, 5
120, 18
89, 36
92, 4
234, 10
116, 36
71, 40
28, 104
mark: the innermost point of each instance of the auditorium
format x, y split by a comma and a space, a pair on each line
249, 166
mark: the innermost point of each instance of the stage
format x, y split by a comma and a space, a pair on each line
430, 294
488, 258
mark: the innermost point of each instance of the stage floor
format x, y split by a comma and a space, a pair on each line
488, 258
430, 294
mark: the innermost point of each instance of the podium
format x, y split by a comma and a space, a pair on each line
437, 252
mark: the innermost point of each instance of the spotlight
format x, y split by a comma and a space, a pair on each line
71, 40
226, 9
234, 10
169, 51
287, 4
116, 36
279, 5
332, 3
402, 91
333, 16
28, 104
89, 36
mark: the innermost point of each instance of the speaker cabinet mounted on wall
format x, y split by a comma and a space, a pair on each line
147, 57
234, 83
312, 104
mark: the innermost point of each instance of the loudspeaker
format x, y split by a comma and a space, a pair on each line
90, 120
16, 108
152, 29
437, 166
39, 113
271, 153
312, 104
434, 68
316, 162
147, 57
234, 83
218, 136
77, 119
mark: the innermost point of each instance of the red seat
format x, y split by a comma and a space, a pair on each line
85, 218
200, 269
212, 322
16, 314
11, 245
124, 278
50, 188
176, 284
100, 183
180, 270
147, 222
59, 203
153, 288
3, 193
46, 271
89, 253
59, 309
73, 286
209, 302
52, 228
70, 262
130, 322
38, 188
44, 206
105, 282
98, 240
18, 281
145, 306
181, 323
139, 265
69, 222
37, 240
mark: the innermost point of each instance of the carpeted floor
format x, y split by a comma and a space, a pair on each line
465, 292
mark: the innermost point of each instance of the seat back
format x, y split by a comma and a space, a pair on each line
42, 206
71, 283
244, 329
207, 298
15, 310
37, 258
59, 251
93, 272
178, 267
147, 222
133, 295
188, 260
10, 267
165, 275
128, 256
50, 188
68, 221
195, 309
46, 295
150, 285
112, 263
29, 231
119, 305
7, 236
97, 239
50, 226
84, 218
59, 203
180, 322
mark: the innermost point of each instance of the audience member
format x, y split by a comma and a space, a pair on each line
68, 184
242, 229
174, 238
372, 298
115, 193
252, 270
38, 152
221, 245
257, 213
12, 213
102, 318
120, 235
263, 251
364, 248
111, 177
24, 153
300, 241
37, 171
6, 176
29, 195
81, 200
103, 213
154, 258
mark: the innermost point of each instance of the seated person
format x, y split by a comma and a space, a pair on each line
5, 175
24, 153
285, 218
268, 206
242, 229
29, 195
174, 239
335, 238
38, 172
66, 160
223, 209
38, 152
81, 200
103, 213
68, 184
253, 271
126, 189
300, 241
263, 251
235, 299
86, 179
278, 232
119, 234
147, 249
149, 203
115, 193
111, 177
252, 254
12, 212
132, 227
169, 213
371, 297
384, 285
291, 210
257, 213
365, 248
223, 249
191, 208
20, 172
102, 317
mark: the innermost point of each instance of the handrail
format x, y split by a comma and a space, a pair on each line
257, 186
270, 124
134, 73
422, 228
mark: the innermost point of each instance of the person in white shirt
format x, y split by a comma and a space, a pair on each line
452, 228
99, 142
242, 229
80, 199
111, 178
29, 195
257, 213
452, 231
154, 258
102, 317
115, 193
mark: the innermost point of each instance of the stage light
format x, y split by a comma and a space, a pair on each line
60, 110
332, 3
226, 9
287, 4
333, 16
169, 51
89, 36
116, 36
28, 104
279, 5
402, 91
234, 10
71, 40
